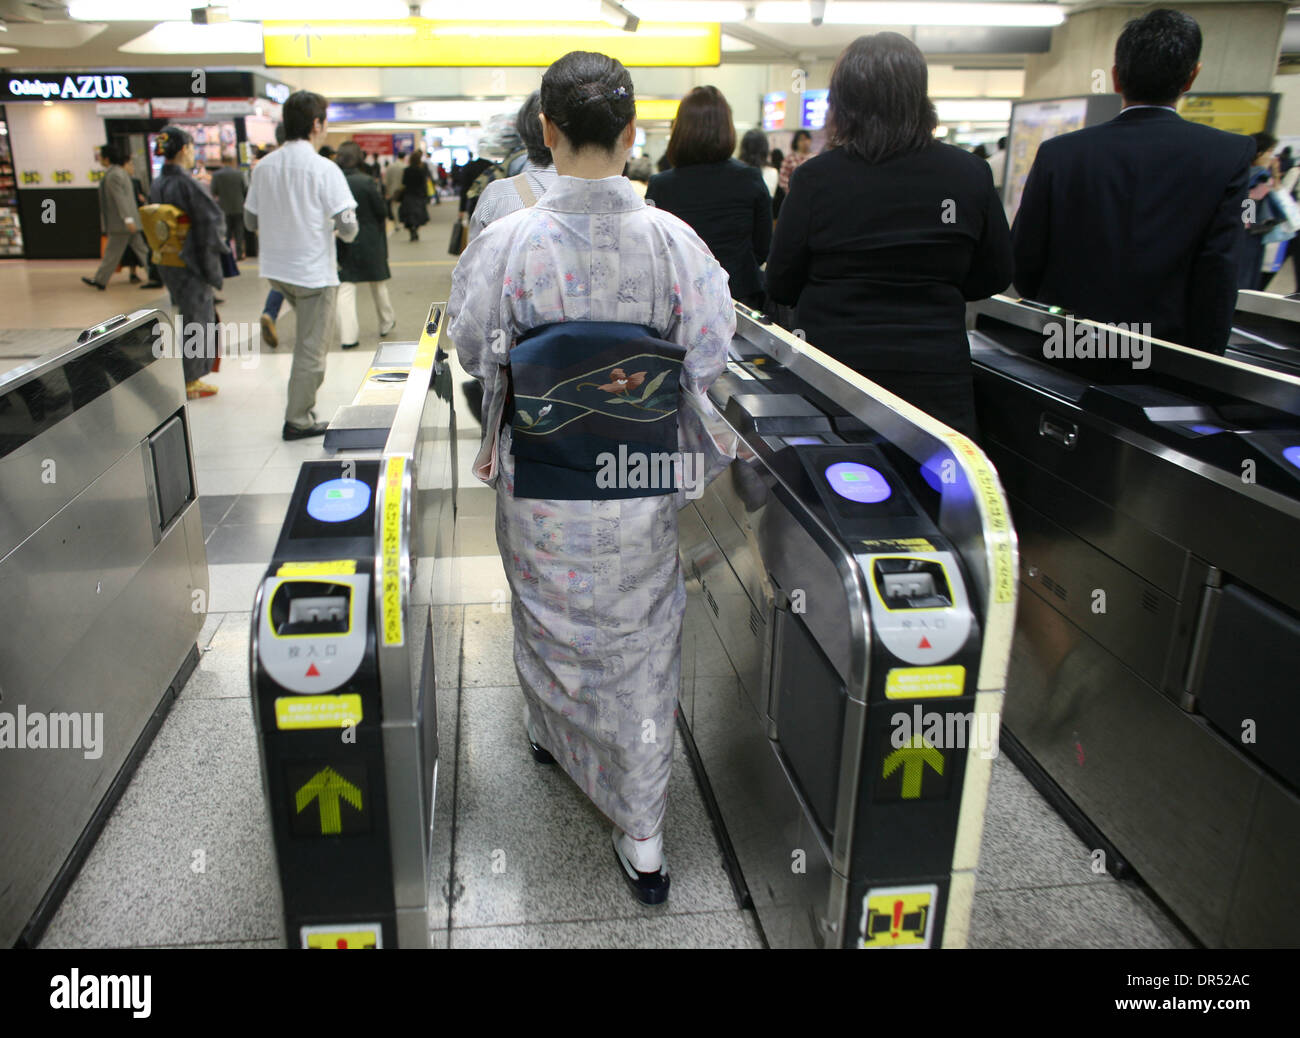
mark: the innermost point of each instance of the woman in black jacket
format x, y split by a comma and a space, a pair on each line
364, 260
414, 209
724, 201
886, 234
191, 286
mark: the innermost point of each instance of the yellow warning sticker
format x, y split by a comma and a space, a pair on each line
925, 682
986, 485
424, 353
392, 544
333, 568
899, 917
294, 712
317, 937
899, 544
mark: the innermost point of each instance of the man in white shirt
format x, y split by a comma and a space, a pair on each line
297, 202
998, 163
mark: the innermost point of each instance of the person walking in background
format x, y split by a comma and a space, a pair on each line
297, 202
119, 219
414, 210
502, 197
364, 260
1139, 219
597, 593
229, 189
192, 286
393, 184
639, 171
1265, 217
754, 152
800, 152
998, 163
154, 282
888, 233
724, 201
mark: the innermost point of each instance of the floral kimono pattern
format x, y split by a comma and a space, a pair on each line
597, 588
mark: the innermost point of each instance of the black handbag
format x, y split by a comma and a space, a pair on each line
457, 244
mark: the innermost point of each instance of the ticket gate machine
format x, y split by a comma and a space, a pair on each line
1266, 331
343, 671
1151, 693
103, 590
851, 586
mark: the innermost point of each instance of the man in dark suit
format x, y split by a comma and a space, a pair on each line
1140, 219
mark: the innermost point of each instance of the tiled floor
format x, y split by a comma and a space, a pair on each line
186, 858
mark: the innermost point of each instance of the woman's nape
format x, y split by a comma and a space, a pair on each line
591, 162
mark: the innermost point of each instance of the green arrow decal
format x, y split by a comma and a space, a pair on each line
327, 785
912, 757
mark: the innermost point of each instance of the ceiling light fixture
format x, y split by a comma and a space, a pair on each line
689, 10
856, 12
617, 15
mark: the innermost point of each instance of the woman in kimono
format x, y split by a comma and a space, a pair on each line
191, 286
597, 592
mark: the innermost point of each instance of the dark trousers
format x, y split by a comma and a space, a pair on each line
235, 232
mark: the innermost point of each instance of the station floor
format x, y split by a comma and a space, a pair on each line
186, 858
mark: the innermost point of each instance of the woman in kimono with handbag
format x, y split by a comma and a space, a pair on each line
191, 287
587, 300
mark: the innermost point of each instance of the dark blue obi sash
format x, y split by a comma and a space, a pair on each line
593, 411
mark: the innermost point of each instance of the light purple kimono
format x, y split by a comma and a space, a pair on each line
597, 586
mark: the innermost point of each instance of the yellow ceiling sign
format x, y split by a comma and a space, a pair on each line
650, 109
422, 42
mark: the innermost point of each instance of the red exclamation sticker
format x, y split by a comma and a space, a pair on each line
898, 916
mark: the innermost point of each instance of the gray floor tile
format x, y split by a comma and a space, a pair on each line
730, 929
225, 482
250, 509
1026, 843
218, 457
448, 621
211, 623
275, 480
476, 501
197, 789
235, 544
477, 536
1090, 915
222, 672
213, 507
231, 588
268, 943
511, 867
489, 646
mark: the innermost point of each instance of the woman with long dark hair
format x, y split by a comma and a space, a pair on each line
192, 286
725, 201
594, 299
887, 233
